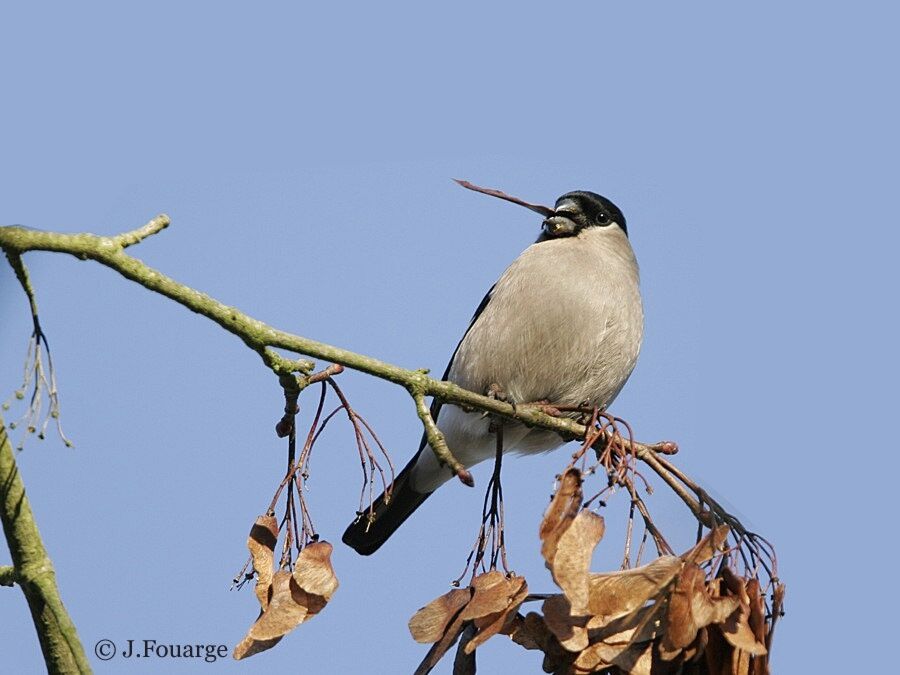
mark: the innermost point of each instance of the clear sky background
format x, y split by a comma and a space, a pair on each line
305, 156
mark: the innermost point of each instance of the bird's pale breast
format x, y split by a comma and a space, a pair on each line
564, 323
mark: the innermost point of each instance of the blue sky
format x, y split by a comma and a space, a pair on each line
305, 156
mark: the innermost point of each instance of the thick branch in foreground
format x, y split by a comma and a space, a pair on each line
33, 571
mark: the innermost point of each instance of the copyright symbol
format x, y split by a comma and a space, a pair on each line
105, 650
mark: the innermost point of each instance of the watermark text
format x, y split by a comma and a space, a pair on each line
105, 650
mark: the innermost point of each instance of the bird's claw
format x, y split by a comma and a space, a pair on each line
496, 392
548, 408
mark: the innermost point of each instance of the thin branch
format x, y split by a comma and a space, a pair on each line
648, 456
43, 379
438, 443
263, 338
15, 260
157, 224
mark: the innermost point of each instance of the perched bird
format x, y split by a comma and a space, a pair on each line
562, 324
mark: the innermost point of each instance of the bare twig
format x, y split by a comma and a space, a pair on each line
370, 463
138, 235
437, 442
38, 378
537, 208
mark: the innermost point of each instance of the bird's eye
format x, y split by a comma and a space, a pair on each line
602, 218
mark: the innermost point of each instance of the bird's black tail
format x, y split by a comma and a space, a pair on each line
366, 535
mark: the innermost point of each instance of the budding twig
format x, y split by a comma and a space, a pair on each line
136, 236
437, 442
36, 376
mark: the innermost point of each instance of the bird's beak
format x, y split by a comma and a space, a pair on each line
558, 226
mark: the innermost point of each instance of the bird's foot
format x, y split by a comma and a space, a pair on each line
545, 406
589, 412
496, 392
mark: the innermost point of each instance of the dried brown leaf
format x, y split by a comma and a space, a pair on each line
757, 610
619, 593
564, 506
532, 629
531, 632
569, 630
695, 650
286, 610
740, 662
263, 534
284, 600
736, 628
572, 562
691, 608
717, 655
430, 623
313, 571
707, 547
738, 633
635, 659
759, 665
263, 590
681, 629
313, 603
708, 610
451, 634
490, 593
530, 636
250, 646
489, 605
481, 611
735, 584
642, 625
261, 542
491, 624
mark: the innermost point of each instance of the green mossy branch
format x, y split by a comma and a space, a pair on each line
33, 571
7, 575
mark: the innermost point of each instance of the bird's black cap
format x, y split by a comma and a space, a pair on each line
593, 205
